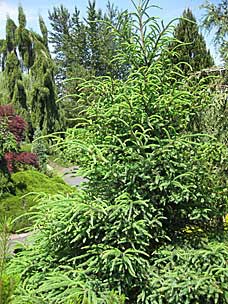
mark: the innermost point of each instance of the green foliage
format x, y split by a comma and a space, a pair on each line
24, 51
193, 50
39, 147
4, 96
44, 110
7, 282
83, 48
153, 183
26, 186
216, 18
67, 230
7, 143
214, 119
181, 275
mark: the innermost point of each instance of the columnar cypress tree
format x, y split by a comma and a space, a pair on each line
44, 110
25, 51
193, 51
12, 68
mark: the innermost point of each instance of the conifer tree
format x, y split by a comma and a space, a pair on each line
12, 69
60, 39
216, 18
26, 52
193, 50
44, 110
83, 48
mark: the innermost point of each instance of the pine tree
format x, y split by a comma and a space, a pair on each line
87, 44
60, 40
93, 30
192, 51
83, 48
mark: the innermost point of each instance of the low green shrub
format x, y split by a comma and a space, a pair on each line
26, 186
26, 147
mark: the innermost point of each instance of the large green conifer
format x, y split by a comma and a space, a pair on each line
193, 50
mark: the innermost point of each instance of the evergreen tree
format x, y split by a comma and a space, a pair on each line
12, 69
93, 30
25, 52
60, 37
192, 50
83, 49
44, 110
217, 18
88, 44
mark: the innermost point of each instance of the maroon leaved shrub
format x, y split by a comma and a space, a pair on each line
14, 160
17, 126
6, 111
9, 158
15, 123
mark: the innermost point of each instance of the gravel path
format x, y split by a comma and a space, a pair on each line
68, 174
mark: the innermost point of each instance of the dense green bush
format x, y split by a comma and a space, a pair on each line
153, 183
183, 275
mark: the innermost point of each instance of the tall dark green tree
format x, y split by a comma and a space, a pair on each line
24, 52
44, 110
192, 54
216, 17
12, 67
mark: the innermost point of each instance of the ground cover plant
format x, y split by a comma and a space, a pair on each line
26, 186
149, 225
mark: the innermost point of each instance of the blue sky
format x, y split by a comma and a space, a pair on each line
170, 9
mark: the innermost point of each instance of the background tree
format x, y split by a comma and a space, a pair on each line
216, 18
193, 50
83, 48
12, 69
28, 72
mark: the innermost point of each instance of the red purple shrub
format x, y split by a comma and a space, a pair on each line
14, 160
17, 126
6, 111
14, 126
